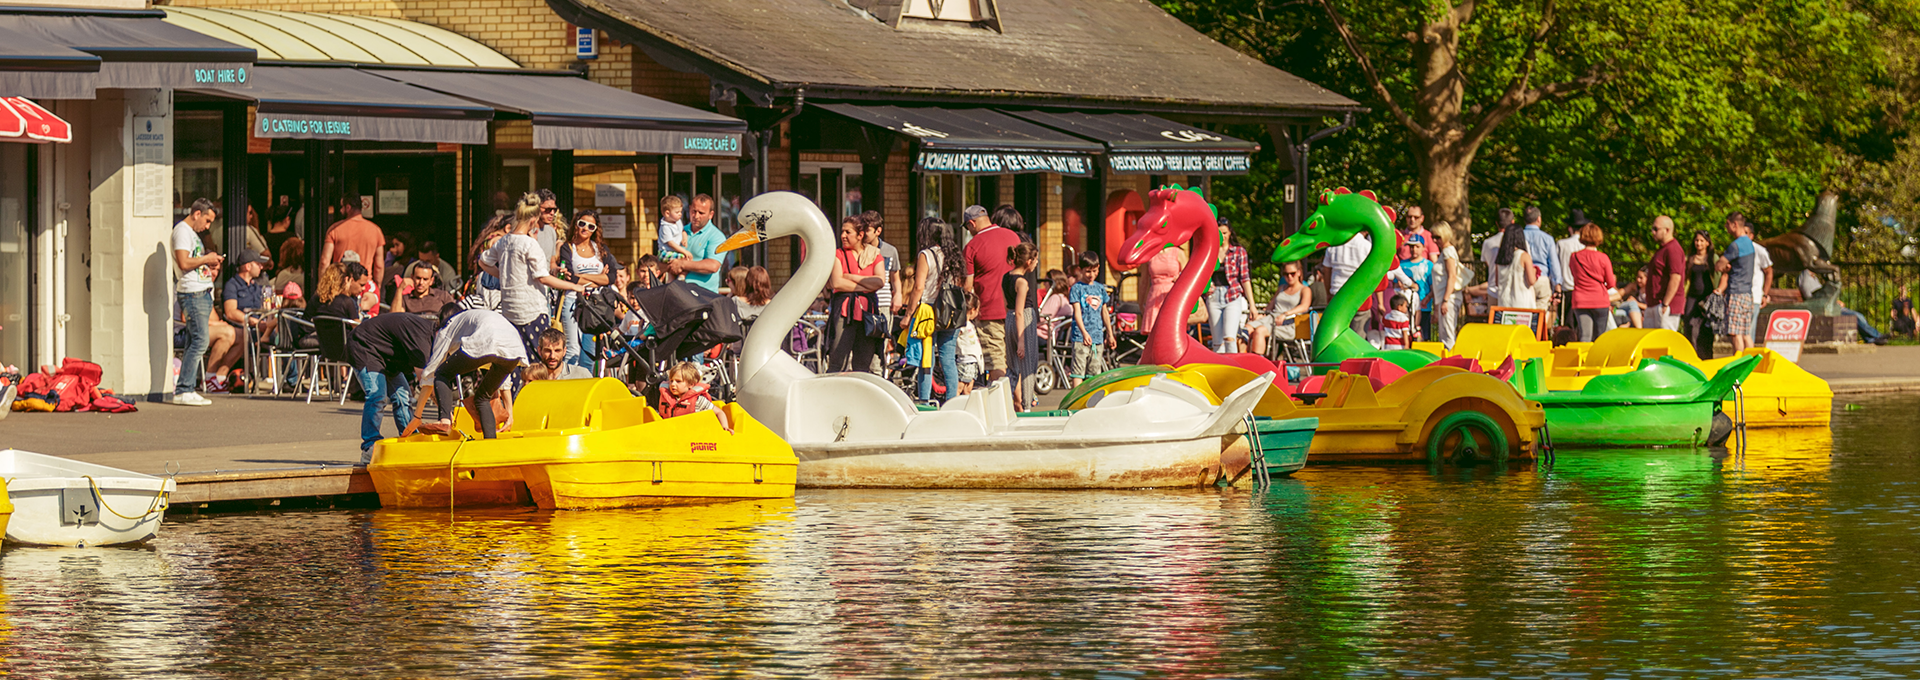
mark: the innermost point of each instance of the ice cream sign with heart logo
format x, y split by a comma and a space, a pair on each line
1787, 330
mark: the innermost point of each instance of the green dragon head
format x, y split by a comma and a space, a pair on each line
1342, 215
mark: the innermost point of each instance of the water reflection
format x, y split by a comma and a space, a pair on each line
1792, 558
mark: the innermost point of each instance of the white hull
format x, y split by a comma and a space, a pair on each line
1012, 463
126, 507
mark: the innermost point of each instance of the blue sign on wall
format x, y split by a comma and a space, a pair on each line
586, 46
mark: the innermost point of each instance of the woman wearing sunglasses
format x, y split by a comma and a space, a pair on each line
585, 260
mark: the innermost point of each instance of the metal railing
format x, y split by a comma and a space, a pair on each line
1871, 287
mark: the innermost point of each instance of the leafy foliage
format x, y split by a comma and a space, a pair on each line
1706, 106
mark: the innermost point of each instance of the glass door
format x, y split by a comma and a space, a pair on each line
16, 257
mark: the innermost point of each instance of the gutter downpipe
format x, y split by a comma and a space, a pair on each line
1304, 186
763, 146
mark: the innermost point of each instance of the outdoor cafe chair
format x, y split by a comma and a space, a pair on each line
333, 332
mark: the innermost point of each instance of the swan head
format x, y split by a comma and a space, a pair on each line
776, 214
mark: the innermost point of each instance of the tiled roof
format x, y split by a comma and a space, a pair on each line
1121, 53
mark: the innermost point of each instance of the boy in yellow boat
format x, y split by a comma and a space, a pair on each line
684, 393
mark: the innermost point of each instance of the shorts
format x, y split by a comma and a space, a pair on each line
1741, 312
993, 344
1088, 360
966, 370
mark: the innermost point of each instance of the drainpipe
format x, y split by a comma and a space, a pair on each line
1304, 186
764, 138
763, 141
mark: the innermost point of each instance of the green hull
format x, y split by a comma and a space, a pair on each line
1664, 402
1601, 425
1284, 443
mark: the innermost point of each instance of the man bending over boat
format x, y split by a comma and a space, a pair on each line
476, 341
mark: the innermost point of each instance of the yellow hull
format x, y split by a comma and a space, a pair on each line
6, 510
1360, 425
581, 444
1777, 394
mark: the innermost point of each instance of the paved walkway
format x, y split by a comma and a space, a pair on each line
245, 433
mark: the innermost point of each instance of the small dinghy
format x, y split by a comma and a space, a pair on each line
58, 501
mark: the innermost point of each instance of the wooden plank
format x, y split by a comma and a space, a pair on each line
270, 484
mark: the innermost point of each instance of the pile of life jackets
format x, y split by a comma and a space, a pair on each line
75, 387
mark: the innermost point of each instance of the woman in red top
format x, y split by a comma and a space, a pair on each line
856, 275
1592, 275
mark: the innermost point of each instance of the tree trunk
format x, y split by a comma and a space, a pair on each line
1443, 181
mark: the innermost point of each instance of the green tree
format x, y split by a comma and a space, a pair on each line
1624, 108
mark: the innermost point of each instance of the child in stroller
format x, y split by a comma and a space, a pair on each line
673, 322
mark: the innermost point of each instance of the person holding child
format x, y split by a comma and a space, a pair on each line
672, 234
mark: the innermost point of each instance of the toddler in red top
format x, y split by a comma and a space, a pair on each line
1398, 330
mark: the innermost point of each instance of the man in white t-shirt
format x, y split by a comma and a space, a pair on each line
193, 291
1338, 264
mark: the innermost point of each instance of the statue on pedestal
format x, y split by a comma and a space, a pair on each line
1810, 248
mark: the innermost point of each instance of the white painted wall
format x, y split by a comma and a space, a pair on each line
131, 305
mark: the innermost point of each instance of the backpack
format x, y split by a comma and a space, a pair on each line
598, 311
950, 301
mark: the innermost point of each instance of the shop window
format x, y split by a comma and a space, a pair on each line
197, 168
835, 187
719, 178
516, 177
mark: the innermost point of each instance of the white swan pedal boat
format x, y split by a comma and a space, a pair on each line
64, 502
857, 430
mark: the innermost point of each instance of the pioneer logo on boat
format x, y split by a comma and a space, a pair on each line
705, 446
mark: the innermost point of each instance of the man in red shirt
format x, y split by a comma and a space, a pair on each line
1665, 273
986, 263
356, 234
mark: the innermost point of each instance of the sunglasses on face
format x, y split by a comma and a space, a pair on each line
584, 224
549, 210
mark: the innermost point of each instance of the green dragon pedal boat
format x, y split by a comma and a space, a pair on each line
1665, 402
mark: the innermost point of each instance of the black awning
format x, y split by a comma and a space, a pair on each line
1139, 144
575, 113
139, 49
978, 141
36, 67
351, 104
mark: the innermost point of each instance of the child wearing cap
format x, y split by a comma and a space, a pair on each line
1415, 274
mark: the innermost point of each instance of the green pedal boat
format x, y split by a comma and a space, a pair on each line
1665, 402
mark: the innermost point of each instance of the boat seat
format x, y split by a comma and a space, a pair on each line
841, 407
944, 425
1151, 411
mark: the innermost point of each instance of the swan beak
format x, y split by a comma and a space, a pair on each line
740, 239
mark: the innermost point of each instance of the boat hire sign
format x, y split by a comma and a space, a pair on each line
1004, 162
1787, 331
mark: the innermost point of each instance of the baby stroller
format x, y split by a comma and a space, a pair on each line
681, 322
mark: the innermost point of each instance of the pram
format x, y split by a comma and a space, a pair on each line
679, 321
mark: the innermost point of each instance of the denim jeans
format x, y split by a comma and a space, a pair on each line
1225, 318
196, 307
580, 347
946, 346
382, 388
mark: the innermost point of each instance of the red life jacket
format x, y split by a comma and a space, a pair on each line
671, 407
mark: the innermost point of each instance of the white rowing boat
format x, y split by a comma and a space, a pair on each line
59, 501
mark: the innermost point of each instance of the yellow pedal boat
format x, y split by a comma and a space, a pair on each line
587, 444
1777, 394
1464, 417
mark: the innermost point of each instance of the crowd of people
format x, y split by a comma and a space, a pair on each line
954, 314
516, 312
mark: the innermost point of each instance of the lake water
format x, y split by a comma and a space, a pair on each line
1794, 560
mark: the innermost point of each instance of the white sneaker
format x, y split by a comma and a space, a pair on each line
190, 399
